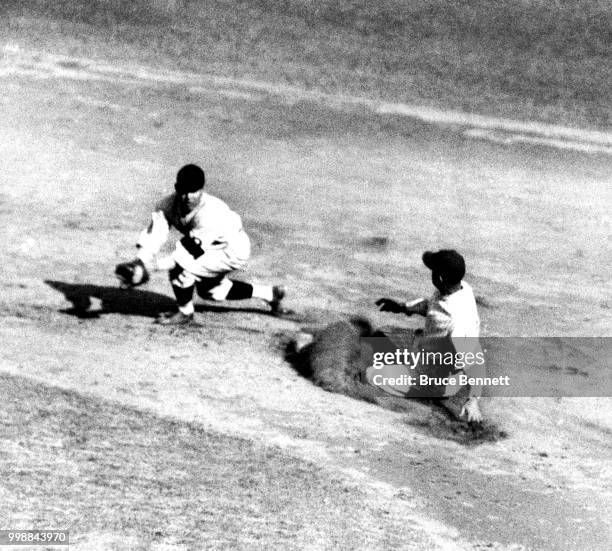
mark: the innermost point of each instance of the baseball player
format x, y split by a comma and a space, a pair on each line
450, 312
214, 244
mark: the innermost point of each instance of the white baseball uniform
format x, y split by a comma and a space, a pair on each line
454, 316
218, 229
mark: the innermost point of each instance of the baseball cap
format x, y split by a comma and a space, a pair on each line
447, 262
189, 178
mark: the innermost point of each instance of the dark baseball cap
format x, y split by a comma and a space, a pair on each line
189, 178
448, 263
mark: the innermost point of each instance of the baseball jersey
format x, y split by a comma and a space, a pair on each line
455, 315
212, 221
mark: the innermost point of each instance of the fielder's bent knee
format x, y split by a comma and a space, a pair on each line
180, 278
214, 288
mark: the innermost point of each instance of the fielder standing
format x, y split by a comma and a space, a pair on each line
214, 244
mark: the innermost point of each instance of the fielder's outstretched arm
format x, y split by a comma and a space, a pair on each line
151, 240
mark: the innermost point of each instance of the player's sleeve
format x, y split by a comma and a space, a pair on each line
151, 239
217, 227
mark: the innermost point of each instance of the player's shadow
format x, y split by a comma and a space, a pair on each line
91, 301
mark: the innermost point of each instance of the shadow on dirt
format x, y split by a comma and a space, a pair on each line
91, 301
334, 360
442, 422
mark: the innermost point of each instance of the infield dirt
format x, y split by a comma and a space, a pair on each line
340, 204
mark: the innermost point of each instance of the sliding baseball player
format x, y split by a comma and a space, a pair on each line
451, 312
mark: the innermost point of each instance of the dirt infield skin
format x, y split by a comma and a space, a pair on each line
330, 199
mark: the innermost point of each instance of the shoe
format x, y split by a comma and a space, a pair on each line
278, 294
175, 318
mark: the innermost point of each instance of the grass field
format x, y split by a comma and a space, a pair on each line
525, 59
121, 478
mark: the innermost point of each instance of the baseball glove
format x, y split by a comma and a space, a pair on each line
132, 274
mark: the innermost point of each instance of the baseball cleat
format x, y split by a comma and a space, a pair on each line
175, 318
278, 294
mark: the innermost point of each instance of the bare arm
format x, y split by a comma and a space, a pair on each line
414, 307
418, 306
